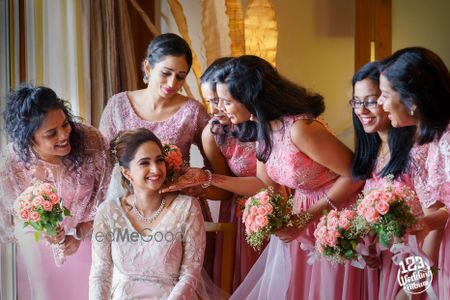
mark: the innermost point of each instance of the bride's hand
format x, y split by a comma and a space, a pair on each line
192, 177
58, 238
288, 233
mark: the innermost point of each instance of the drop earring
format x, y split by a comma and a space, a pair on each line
146, 78
252, 118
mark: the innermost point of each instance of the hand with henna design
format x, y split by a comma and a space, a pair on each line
192, 177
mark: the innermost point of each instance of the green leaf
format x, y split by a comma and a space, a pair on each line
66, 212
36, 236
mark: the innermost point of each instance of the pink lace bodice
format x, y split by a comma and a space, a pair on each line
81, 190
165, 263
414, 177
438, 167
182, 129
290, 167
240, 156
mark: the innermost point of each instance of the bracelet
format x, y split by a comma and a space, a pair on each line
207, 184
62, 241
330, 203
73, 232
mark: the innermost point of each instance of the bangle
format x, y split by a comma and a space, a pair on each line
73, 232
208, 183
62, 241
330, 203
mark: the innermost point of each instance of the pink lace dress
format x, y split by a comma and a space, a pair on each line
81, 191
282, 271
241, 158
383, 284
165, 263
438, 167
183, 128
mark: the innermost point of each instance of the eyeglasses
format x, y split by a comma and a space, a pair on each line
369, 103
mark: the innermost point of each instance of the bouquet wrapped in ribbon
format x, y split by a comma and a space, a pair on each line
338, 234
389, 210
265, 213
40, 207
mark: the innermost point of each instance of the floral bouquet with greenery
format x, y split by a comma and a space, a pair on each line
40, 207
389, 210
265, 213
338, 234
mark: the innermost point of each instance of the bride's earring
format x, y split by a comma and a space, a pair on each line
252, 118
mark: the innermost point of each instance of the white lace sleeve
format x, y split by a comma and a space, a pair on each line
193, 254
102, 265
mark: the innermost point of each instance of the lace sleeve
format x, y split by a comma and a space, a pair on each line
100, 277
419, 174
101, 172
193, 254
107, 124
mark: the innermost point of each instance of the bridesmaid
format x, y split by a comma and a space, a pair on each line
160, 107
382, 150
48, 145
415, 86
229, 150
293, 148
164, 258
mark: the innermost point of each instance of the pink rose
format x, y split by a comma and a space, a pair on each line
261, 221
254, 227
344, 223
382, 207
264, 198
48, 206
332, 223
25, 215
27, 205
35, 216
371, 215
38, 200
253, 210
333, 214
331, 239
269, 208
53, 198
320, 232
348, 214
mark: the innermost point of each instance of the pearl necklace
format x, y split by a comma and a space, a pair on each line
152, 216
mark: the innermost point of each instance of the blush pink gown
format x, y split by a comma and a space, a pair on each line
165, 263
241, 158
383, 284
438, 167
282, 271
81, 191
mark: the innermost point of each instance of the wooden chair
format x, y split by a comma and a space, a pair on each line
228, 230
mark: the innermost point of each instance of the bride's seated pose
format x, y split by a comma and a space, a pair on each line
146, 245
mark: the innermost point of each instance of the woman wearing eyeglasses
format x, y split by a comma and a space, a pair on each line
382, 150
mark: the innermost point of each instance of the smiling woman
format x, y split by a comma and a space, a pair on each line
48, 145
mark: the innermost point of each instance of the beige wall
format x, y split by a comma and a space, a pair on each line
422, 23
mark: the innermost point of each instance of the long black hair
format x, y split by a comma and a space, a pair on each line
266, 94
422, 79
245, 132
367, 145
26, 107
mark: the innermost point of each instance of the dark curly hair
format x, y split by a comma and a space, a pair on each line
26, 107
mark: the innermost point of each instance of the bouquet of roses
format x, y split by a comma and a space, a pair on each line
40, 207
338, 234
174, 159
265, 213
389, 210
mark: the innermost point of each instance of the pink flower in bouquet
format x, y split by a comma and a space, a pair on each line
389, 209
338, 234
264, 213
39, 207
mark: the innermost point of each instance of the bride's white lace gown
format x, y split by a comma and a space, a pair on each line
165, 262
